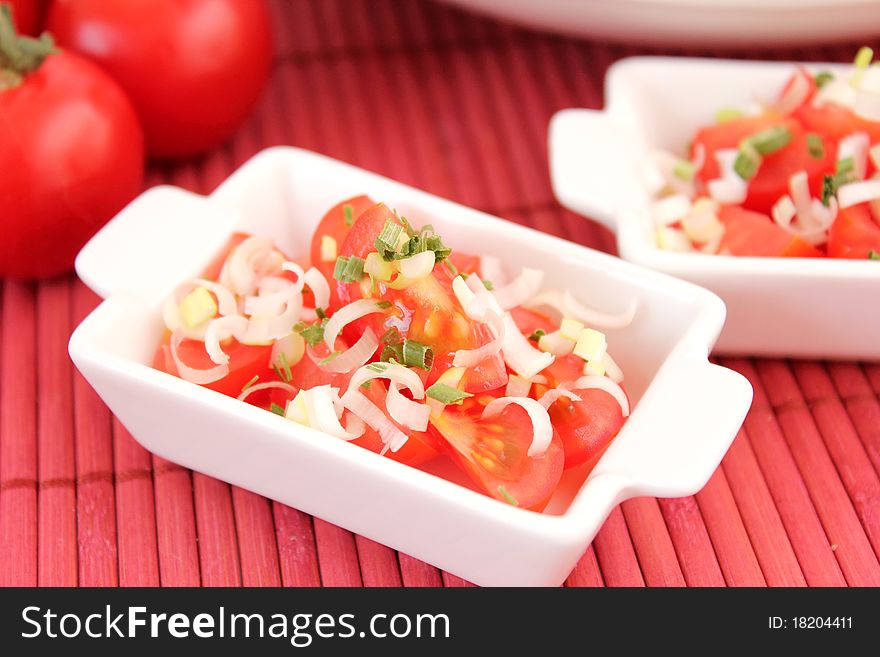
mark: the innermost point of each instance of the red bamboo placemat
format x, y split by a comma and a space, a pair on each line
457, 105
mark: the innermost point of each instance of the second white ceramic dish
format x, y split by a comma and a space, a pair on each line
686, 410
711, 23
802, 307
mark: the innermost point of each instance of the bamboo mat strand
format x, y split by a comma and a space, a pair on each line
458, 105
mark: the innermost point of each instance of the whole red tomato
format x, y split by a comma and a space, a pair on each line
28, 15
193, 68
71, 155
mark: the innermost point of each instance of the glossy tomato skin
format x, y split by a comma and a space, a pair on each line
748, 233
193, 68
28, 15
854, 234
71, 156
493, 452
586, 427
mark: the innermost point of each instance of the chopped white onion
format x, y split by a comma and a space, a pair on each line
729, 188
471, 357
542, 429
220, 329
784, 211
671, 209
392, 437
254, 258
858, 192
517, 386
795, 94
346, 315
293, 347
353, 357
405, 411
193, 375
266, 386
555, 343
518, 352
606, 384
226, 305
551, 396
522, 288
491, 269
855, 146
417, 266
319, 286
867, 100
567, 306
838, 92
322, 412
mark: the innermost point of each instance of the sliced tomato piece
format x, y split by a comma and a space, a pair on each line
494, 452
836, 122
854, 233
245, 362
586, 427
748, 233
772, 179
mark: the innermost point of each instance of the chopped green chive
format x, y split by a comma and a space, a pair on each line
247, 385
366, 385
391, 336
815, 146
383, 304
537, 334
864, 57
447, 394
488, 285
747, 161
845, 166
311, 333
329, 358
770, 140
822, 78
418, 355
843, 174
285, 367
873, 255
510, 499
348, 269
348, 213
320, 313
392, 352
386, 243
377, 367
727, 114
684, 170
278, 410
453, 270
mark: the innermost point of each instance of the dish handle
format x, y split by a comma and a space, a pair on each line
592, 164
698, 399
151, 241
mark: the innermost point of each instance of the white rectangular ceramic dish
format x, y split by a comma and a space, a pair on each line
803, 307
686, 410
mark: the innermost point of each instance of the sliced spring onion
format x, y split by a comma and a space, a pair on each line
518, 291
612, 369
537, 334
542, 429
254, 258
747, 162
510, 499
318, 285
519, 354
446, 394
873, 255
684, 170
386, 242
770, 140
377, 267
247, 391
220, 329
348, 269
275, 408
822, 78
392, 437
197, 307
191, 374
815, 146
418, 355
491, 268
606, 384
727, 114
355, 356
551, 396
450, 378
864, 57
345, 315
417, 266
567, 306
858, 192
795, 94
854, 148
405, 411
348, 214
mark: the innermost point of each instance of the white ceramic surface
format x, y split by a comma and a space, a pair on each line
686, 413
709, 23
802, 307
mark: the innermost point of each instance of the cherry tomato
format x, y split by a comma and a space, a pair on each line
586, 427
854, 233
494, 451
28, 15
748, 233
426, 311
71, 156
335, 225
193, 68
772, 179
245, 362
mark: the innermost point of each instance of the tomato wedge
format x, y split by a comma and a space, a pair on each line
748, 233
772, 178
586, 427
854, 234
494, 452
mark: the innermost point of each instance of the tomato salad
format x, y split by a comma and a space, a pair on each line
388, 339
797, 177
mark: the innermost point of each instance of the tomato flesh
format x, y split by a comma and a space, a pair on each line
750, 233
854, 233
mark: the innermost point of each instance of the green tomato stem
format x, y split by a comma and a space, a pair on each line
19, 55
